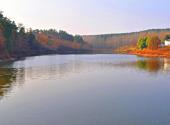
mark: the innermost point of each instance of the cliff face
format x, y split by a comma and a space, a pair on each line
114, 41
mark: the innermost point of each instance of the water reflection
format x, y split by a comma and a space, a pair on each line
154, 65
9, 77
166, 64
150, 65
17, 73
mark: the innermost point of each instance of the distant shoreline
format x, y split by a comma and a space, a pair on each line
132, 50
128, 50
23, 56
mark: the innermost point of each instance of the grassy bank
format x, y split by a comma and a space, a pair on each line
160, 52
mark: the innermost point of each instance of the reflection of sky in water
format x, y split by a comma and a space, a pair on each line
59, 66
100, 89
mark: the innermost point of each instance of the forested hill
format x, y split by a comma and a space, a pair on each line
16, 42
114, 41
61, 41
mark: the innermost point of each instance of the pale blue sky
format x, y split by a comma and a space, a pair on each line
89, 16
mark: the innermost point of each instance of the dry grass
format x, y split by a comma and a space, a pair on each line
161, 52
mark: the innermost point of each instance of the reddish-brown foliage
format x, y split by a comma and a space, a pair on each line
55, 42
153, 42
114, 41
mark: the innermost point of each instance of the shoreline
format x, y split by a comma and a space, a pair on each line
159, 53
23, 56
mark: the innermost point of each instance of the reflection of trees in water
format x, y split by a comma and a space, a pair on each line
9, 77
150, 65
58, 71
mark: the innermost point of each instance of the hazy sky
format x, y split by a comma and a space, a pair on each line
89, 16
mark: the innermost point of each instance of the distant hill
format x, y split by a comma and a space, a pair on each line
114, 41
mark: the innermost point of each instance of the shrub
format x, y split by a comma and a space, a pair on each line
142, 43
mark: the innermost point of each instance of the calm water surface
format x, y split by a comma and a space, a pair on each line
85, 90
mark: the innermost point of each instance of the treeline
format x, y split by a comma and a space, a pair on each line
115, 41
61, 41
151, 42
63, 35
16, 41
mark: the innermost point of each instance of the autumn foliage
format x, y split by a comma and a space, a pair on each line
17, 42
153, 42
55, 42
149, 42
115, 41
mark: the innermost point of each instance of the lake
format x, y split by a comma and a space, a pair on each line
85, 90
